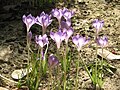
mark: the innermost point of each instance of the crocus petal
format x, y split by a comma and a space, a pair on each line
57, 39
81, 41
38, 20
87, 40
23, 18
66, 24
75, 40
45, 21
68, 21
40, 43
69, 32
45, 39
64, 35
39, 37
52, 35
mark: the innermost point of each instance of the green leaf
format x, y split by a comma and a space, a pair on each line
109, 71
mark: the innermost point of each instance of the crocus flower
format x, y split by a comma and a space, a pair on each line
98, 25
57, 13
43, 20
41, 40
66, 24
53, 61
58, 37
79, 41
102, 41
29, 21
67, 14
69, 32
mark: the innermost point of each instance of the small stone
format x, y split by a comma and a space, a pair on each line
108, 55
20, 73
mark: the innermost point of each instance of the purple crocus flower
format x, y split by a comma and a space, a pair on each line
41, 40
69, 32
53, 61
66, 24
98, 24
67, 14
57, 13
79, 41
58, 37
29, 21
43, 20
102, 41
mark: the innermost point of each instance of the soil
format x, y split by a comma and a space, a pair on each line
13, 52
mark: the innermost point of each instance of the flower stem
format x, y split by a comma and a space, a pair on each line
64, 80
65, 64
28, 66
59, 21
96, 62
58, 71
77, 70
101, 70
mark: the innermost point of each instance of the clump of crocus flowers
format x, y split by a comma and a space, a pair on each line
64, 32
102, 42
